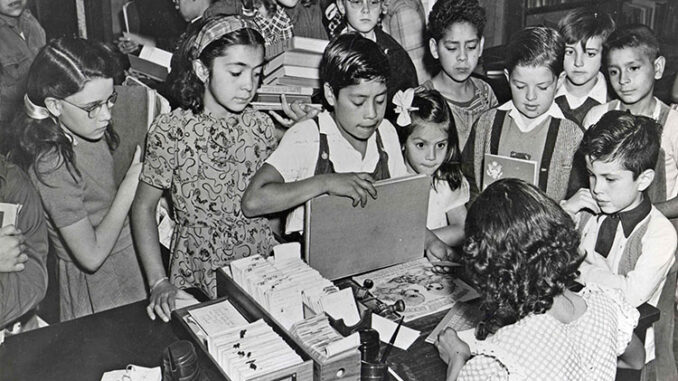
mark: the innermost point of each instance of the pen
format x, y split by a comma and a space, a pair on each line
387, 351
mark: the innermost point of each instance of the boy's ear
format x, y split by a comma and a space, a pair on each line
340, 7
201, 71
659, 65
433, 47
482, 46
53, 105
329, 94
507, 75
645, 179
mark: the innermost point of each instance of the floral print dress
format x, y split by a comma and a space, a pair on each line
207, 163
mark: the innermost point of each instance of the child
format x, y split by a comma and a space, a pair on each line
341, 151
205, 153
456, 29
582, 85
531, 126
65, 143
21, 37
429, 142
362, 16
634, 64
635, 255
521, 252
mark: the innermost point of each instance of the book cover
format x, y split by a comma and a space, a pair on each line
498, 167
293, 58
296, 90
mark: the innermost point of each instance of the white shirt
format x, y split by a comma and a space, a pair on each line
527, 125
598, 93
644, 283
297, 154
443, 199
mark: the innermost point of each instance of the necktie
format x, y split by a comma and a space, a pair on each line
606, 233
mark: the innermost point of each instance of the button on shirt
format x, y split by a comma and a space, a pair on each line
296, 156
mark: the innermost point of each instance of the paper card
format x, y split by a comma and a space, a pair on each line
287, 252
9, 214
133, 373
185, 301
406, 336
156, 55
341, 305
343, 345
218, 317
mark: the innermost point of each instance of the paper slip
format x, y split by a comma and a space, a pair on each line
349, 342
341, 305
216, 318
287, 252
385, 327
9, 214
183, 302
156, 55
133, 373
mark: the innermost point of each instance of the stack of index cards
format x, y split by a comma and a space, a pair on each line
250, 351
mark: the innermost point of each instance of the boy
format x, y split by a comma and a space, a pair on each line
21, 37
531, 126
629, 244
340, 152
633, 64
362, 16
456, 29
582, 85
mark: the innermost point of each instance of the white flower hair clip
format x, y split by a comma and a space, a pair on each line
403, 102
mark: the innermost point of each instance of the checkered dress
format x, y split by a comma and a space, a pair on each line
276, 28
539, 347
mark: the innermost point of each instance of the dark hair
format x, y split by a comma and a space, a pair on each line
521, 250
536, 46
351, 58
634, 140
634, 36
432, 108
60, 69
582, 24
447, 12
187, 89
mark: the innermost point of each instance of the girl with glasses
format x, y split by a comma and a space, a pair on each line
65, 141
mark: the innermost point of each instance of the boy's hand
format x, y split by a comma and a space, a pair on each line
294, 112
582, 199
12, 247
437, 251
356, 186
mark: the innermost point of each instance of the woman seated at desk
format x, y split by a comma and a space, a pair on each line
521, 250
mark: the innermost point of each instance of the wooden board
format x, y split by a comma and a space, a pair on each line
342, 240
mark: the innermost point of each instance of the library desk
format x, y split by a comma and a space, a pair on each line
85, 348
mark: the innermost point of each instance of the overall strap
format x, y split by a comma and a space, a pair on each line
497, 126
323, 165
547, 153
381, 171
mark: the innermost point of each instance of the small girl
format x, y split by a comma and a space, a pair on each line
430, 145
205, 153
521, 251
65, 144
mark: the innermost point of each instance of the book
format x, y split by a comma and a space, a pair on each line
498, 167
9, 214
295, 90
293, 58
296, 81
277, 106
293, 71
307, 44
152, 62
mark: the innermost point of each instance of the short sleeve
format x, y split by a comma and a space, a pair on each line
61, 191
627, 315
483, 368
396, 162
161, 151
297, 152
458, 197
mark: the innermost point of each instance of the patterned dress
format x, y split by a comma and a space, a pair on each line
207, 163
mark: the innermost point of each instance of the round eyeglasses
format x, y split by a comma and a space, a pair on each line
94, 110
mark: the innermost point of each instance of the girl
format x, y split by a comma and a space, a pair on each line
65, 143
429, 141
204, 153
521, 251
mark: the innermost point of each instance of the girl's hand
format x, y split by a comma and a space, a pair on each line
356, 186
437, 251
451, 348
295, 112
131, 180
12, 247
162, 300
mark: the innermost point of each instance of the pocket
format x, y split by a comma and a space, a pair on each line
14, 69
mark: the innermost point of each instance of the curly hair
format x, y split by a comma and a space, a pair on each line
521, 250
447, 12
433, 108
186, 88
61, 69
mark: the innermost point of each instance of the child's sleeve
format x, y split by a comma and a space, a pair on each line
297, 152
160, 158
396, 162
626, 315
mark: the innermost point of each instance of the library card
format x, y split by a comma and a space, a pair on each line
215, 318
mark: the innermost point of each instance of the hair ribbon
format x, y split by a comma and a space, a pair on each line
34, 111
403, 102
218, 27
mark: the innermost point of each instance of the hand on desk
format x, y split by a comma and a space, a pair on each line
12, 249
162, 300
453, 351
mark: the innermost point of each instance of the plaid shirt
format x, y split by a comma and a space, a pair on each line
276, 28
405, 22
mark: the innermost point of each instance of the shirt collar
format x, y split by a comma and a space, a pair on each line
630, 219
655, 113
12, 21
598, 93
553, 111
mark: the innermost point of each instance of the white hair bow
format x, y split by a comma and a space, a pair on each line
403, 102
